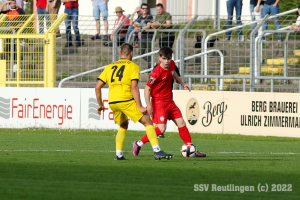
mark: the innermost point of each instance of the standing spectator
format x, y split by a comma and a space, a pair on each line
237, 4
42, 10
163, 20
53, 8
20, 3
138, 11
71, 8
14, 23
144, 22
271, 6
100, 6
120, 18
256, 7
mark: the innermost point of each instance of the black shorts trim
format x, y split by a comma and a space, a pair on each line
120, 101
101, 80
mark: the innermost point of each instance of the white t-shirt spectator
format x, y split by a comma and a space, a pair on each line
298, 21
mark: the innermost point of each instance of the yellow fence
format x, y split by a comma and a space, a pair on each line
27, 50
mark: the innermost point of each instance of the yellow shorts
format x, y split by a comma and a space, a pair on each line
124, 110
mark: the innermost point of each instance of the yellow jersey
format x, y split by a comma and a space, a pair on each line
119, 75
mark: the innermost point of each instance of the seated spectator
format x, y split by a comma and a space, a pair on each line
71, 8
271, 6
120, 18
143, 23
131, 27
163, 20
297, 24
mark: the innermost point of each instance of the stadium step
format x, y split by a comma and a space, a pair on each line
297, 52
232, 80
280, 61
264, 69
207, 87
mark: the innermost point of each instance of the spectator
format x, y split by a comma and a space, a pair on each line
53, 8
297, 24
237, 4
42, 10
71, 8
131, 27
120, 18
256, 7
20, 3
100, 6
144, 22
271, 6
13, 23
163, 20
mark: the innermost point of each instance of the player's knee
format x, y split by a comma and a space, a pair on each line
162, 129
124, 125
146, 121
181, 124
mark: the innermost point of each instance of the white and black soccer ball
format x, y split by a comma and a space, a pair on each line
188, 150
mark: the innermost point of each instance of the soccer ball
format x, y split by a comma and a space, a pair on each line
188, 150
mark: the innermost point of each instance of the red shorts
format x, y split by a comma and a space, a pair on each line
162, 111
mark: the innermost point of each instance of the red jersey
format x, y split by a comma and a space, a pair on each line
69, 4
119, 21
160, 82
41, 3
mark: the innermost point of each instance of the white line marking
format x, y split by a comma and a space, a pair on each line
222, 152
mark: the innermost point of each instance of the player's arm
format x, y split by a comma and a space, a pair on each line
147, 98
98, 87
178, 79
136, 95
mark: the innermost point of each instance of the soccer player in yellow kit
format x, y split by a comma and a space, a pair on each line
124, 100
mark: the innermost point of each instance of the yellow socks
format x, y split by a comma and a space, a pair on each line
120, 138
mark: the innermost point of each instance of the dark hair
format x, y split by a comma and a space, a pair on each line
297, 13
144, 4
165, 51
126, 49
159, 5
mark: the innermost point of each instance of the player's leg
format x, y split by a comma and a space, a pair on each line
184, 133
158, 110
122, 120
158, 153
159, 129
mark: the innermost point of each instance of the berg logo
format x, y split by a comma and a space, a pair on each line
93, 105
4, 108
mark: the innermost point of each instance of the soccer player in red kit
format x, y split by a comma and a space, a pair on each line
162, 107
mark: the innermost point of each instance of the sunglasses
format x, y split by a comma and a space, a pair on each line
145, 8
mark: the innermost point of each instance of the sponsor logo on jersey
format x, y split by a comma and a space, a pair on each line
152, 79
162, 118
192, 111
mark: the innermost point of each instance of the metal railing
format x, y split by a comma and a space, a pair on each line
101, 68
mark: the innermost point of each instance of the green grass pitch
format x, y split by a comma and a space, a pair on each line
79, 164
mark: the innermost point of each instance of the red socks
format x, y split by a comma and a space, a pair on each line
185, 134
145, 138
